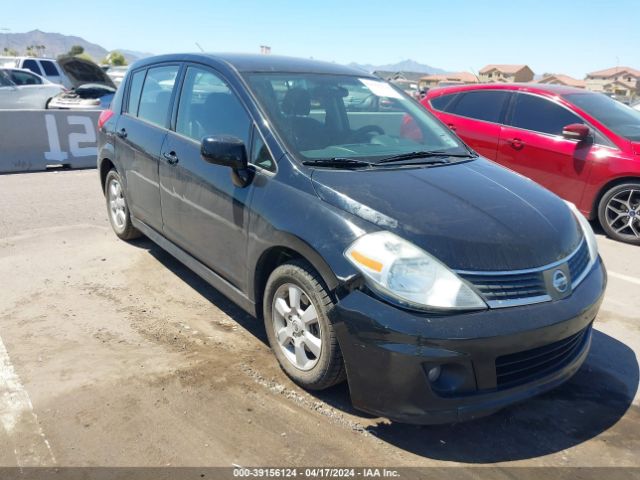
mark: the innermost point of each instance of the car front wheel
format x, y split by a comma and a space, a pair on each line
619, 213
296, 314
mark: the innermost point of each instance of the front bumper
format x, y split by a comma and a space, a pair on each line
488, 359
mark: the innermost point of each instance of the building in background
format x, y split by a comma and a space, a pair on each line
561, 79
506, 74
622, 82
445, 79
408, 81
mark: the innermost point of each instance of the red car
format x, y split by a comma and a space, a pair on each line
583, 146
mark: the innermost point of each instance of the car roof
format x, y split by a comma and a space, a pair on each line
243, 62
540, 88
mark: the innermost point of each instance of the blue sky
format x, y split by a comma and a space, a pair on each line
563, 36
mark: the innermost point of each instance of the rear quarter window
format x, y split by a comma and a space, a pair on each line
135, 89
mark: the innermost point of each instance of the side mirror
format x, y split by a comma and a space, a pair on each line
227, 151
576, 131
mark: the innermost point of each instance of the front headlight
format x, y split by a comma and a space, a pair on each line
589, 236
398, 269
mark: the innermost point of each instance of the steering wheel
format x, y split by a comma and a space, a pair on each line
364, 133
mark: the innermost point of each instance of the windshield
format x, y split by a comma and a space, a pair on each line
616, 116
325, 117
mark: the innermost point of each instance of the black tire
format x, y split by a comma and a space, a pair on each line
616, 230
329, 368
126, 230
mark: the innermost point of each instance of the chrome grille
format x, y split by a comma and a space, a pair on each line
508, 287
523, 287
578, 263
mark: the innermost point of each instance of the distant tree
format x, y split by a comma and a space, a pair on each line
10, 52
76, 50
116, 59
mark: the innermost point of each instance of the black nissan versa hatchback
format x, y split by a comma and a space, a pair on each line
376, 246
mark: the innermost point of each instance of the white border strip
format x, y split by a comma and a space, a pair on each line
31, 448
626, 278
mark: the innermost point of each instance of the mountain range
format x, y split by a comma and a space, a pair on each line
403, 66
57, 44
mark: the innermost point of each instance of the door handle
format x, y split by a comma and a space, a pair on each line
516, 143
122, 133
171, 157
451, 126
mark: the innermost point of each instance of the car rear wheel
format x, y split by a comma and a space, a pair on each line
117, 207
296, 314
619, 213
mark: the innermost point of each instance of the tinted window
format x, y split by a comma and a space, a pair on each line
442, 102
4, 79
32, 65
481, 105
137, 80
616, 116
541, 115
24, 78
260, 153
208, 107
49, 68
156, 94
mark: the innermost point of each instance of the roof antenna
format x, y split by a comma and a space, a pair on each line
198, 45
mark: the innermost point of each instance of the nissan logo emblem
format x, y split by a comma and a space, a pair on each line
560, 281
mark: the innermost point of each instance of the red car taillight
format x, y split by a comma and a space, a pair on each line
104, 117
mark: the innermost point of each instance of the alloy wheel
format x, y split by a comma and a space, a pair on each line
296, 326
117, 205
623, 213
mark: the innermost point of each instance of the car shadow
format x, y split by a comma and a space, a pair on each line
594, 400
230, 309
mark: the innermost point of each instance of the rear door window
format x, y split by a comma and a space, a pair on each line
540, 115
481, 105
32, 65
49, 68
156, 94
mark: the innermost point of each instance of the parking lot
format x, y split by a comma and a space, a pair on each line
117, 355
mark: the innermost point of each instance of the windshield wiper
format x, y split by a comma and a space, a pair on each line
435, 156
338, 162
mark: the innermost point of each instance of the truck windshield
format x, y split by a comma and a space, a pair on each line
616, 116
325, 117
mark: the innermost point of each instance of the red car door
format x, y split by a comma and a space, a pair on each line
475, 116
532, 144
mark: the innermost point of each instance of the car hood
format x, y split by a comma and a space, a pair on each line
636, 147
80, 72
472, 215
